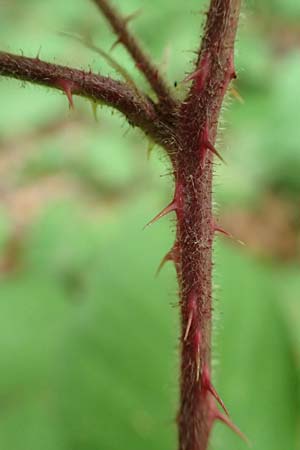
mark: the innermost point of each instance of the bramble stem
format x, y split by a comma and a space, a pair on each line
187, 131
197, 128
138, 109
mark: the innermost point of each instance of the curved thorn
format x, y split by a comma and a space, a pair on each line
222, 231
168, 257
218, 229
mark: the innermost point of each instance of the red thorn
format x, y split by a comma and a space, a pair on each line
67, 86
217, 229
226, 420
171, 207
221, 230
207, 385
178, 196
205, 145
210, 147
192, 306
200, 75
192, 76
168, 257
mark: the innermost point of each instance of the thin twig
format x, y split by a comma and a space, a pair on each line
143, 62
88, 43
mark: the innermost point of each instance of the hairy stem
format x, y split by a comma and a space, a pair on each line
197, 127
138, 109
188, 133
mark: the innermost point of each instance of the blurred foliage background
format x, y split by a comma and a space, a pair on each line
88, 336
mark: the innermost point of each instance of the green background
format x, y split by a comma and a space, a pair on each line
88, 335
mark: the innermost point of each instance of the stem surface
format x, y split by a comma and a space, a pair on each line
197, 128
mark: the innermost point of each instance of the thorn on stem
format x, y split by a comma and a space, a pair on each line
132, 16
208, 386
226, 420
218, 229
170, 256
171, 207
199, 76
38, 53
192, 308
67, 87
94, 106
206, 145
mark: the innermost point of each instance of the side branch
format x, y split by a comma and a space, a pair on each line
139, 110
143, 62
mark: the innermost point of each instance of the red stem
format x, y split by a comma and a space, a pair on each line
188, 134
195, 226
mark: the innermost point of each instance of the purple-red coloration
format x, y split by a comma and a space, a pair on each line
207, 386
68, 87
206, 145
199, 76
187, 131
170, 256
217, 229
170, 208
